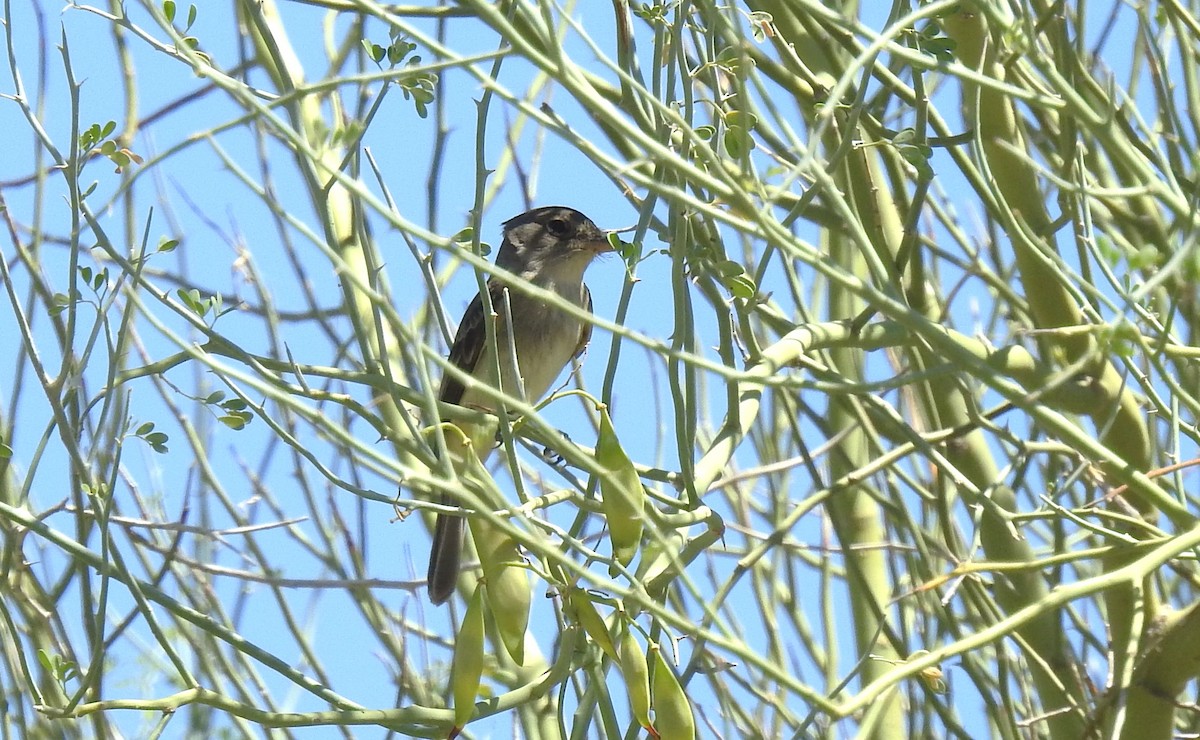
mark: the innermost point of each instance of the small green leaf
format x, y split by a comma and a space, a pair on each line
733, 143
399, 50
631, 252
234, 422
729, 268
1144, 257
375, 51
193, 301
742, 287
169, 10
741, 119
60, 302
918, 157
941, 49
911, 154
157, 441
655, 14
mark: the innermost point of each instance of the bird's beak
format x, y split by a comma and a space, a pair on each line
602, 244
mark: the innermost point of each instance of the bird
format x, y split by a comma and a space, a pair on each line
550, 247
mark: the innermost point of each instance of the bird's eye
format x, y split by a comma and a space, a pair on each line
558, 227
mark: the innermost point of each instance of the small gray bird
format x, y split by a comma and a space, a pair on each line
548, 247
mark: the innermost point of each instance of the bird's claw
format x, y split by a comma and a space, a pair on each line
552, 456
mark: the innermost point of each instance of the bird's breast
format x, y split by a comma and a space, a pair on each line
545, 339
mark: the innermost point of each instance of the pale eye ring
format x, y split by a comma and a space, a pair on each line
558, 227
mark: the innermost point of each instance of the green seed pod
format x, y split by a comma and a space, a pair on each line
467, 666
672, 712
509, 592
580, 610
621, 489
636, 673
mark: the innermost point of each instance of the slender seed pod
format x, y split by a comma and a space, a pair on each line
636, 672
580, 610
672, 712
467, 667
622, 492
509, 592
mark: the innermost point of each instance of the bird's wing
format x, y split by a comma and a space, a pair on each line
468, 345
585, 331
